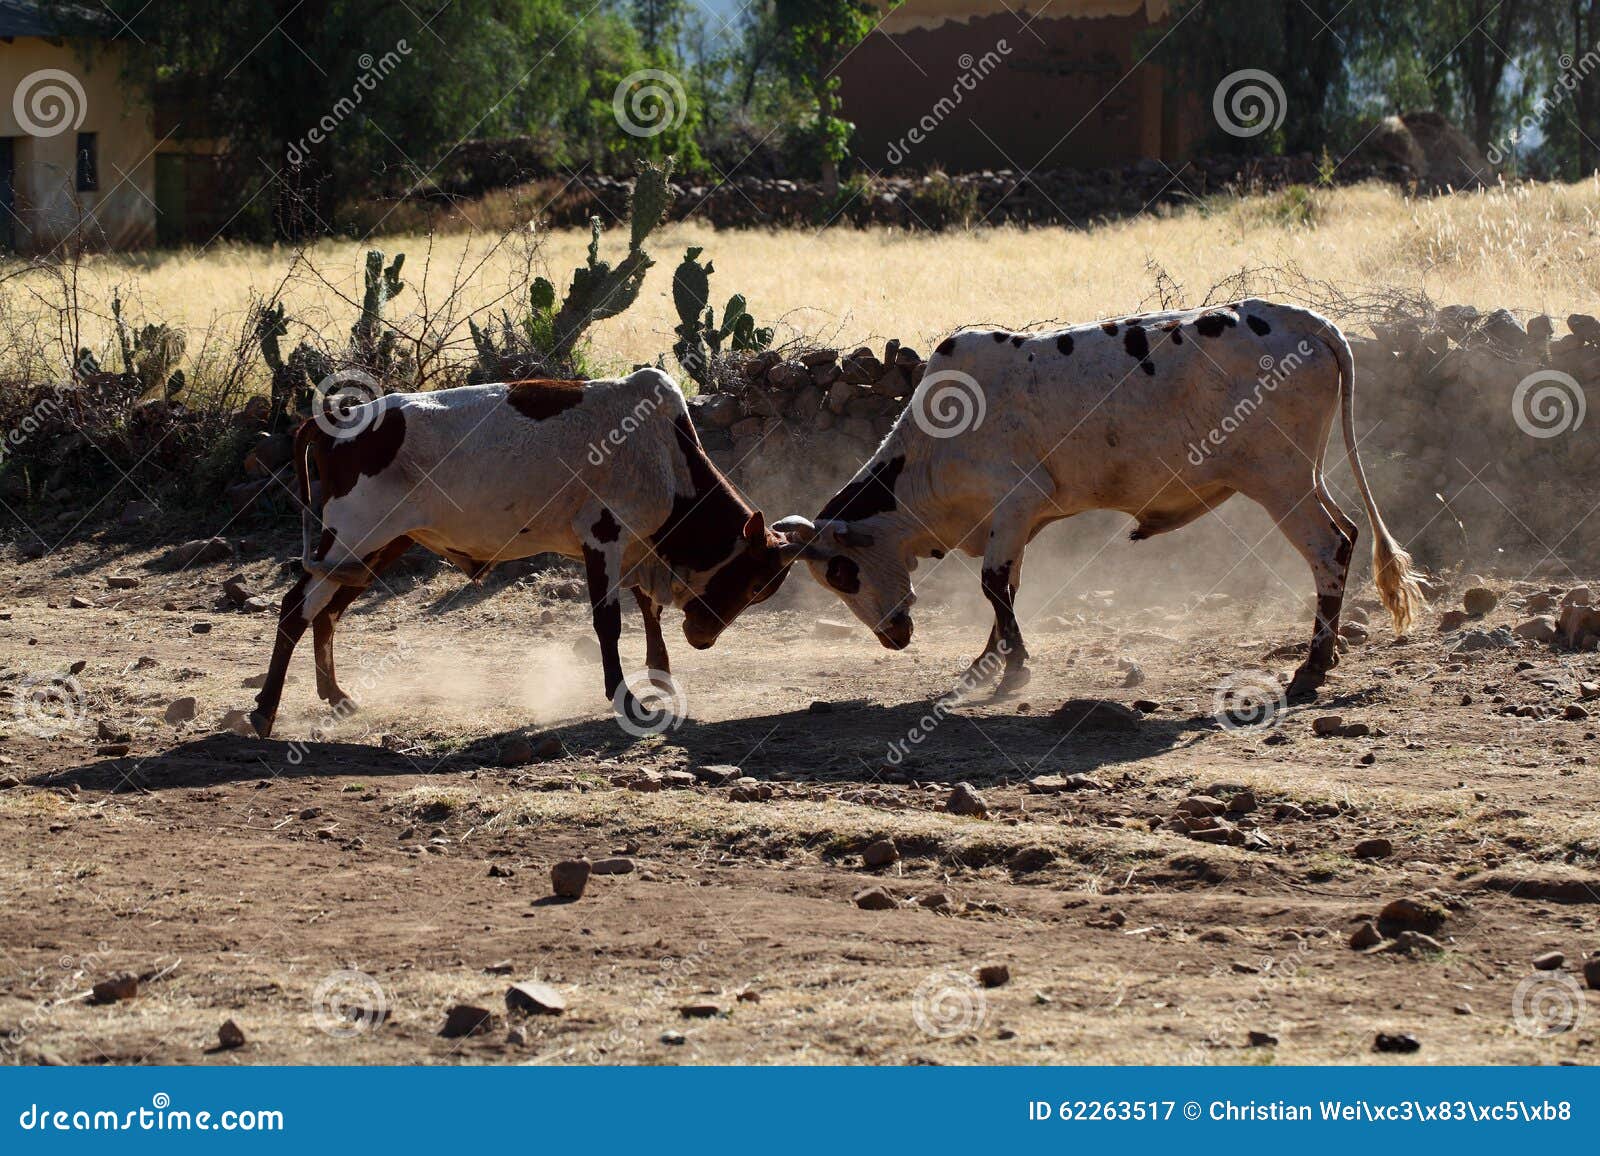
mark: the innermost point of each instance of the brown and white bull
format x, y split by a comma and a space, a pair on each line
1163, 416
610, 472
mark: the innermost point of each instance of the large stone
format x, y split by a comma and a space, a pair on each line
569, 877
1539, 629
539, 999
966, 801
199, 552
875, 899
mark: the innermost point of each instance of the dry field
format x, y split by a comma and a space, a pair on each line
1531, 248
336, 890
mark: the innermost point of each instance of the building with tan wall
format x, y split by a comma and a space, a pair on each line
77, 149
1017, 84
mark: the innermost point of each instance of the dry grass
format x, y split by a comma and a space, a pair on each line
1530, 248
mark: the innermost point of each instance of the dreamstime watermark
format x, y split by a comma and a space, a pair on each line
349, 1003
47, 705
948, 1004
1548, 403
64, 990
1226, 1025
649, 102
650, 702
977, 674
372, 71
1249, 700
49, 102
1248, 103
617, 436
1274, 372
1566, 86
948, 403
46, 407
1548, 1003
973, 70
342, 407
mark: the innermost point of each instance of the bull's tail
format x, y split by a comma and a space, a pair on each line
1391, 565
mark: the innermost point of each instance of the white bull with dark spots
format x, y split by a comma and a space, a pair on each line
610, 472
1163, 417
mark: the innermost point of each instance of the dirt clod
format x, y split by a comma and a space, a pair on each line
994, 974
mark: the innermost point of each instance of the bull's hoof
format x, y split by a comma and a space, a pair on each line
261, 722
1304, 685
340, 703
1015, 679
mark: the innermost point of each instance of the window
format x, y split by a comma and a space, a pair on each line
88, 162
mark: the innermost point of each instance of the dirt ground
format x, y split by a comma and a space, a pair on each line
336, 890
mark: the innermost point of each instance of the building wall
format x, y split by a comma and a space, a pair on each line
1061, 93
48, 207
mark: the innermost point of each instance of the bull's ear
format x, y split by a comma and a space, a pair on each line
755, 530
847, 535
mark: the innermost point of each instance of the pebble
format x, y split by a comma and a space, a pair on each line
78, 603
966, 801
230, 1035
539, 999
466, 1020
1411, 913
994, 975
615, 865
875, 899
699, 1011
718, 774
497, 871
1373, 849
116, 989
180, 710
200, 628
1365, 936
1262, 1040
569, 877
880, 853
1550, 961
1326, 725
1402, 1042
124, 582
673, 1039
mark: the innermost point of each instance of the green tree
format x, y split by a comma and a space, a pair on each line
814, 36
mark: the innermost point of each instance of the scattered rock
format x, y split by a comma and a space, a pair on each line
198, 552
880, 853
1478, 601
1591, 973
180, 710
1365, 936
1550, 961
875, 899
229, 1036
615, 865
516, 752
1408, 941
1261, 1040
700, 1011
1061, 784
1324, 726
1027, 860
78, 603
538, 999
1452, 620
1539, 629
750, 792
673, 1039
466, 1020
497, 871
717, 775
966, 801
1411, 913
994, 975
1373, 849
124, 582
116, 989
200, 628
1402, 1043
1095, 714
569, 877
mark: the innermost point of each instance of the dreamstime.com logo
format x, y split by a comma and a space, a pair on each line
342, 406
46, 705
1249, 700
1547, 1003
650, 702
349, 1003
1548, 403
948, 403
49, 102
1248, 103
949, 1004
649, 102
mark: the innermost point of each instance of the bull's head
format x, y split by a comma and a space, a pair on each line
871, 575
752, 573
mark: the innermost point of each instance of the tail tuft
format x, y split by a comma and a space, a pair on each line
1398, 586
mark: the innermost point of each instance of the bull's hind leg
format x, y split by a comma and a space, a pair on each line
1315, 529
655, 646
322, 625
